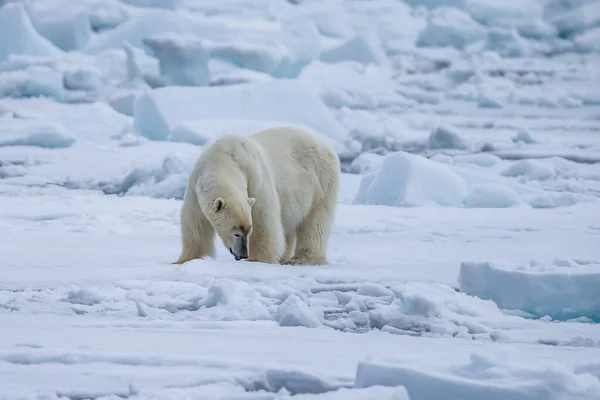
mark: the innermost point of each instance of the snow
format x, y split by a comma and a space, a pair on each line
156, 112
445, 137
294, 312
408, 180
33, 82
68, 29
183, 61
364, 48
529, 169
464, 258
566, 289
580, 18
19, 36
19, 132
492, 195
447, 26
483, 376
588, 40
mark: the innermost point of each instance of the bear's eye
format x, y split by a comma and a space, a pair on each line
237, 234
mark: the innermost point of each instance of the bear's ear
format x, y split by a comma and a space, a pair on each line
218, 204
251, 201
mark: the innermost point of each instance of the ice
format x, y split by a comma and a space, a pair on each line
408, 180
530, 169
483, 376
17, 132
463, 257
364, 48
68, 28
294, 312
507, 42
32, 82
105, 15
82, 79
445, 137
492, 195
523, 136
353, 85
201, 132
160, 110
183, 59
18, 36
371, 393
447, 26
249, 56
168, 180
480, 159
366, 162
166, 4
583, 16
298, 42
561, 290
588, 40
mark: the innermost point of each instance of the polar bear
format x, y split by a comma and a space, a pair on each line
270, 196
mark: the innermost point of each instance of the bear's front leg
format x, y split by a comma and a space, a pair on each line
263, 247
267, 241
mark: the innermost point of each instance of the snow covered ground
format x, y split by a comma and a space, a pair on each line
465, 256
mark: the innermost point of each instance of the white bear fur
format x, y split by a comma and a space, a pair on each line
280, 185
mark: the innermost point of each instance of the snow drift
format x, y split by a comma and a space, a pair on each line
408, 180
156, 113
564, 290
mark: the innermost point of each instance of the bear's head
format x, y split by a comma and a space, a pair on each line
232, 220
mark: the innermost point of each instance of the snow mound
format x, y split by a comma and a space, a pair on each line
508, 43
371, 393
183, 61
68, 28
405, 179
82, 79
16, 132
445, 137
165, 4
353, 85
564, 290
201, 132
577, 19
448, 26
294, 312
530, 169
252, 56
136, 28
293, 382
589, 41
365, 48
492, 195
18, 36
106, 15
168, 180
33, 81
160, 110
296, 42
523, 136
366, 162
483, 377
480, 159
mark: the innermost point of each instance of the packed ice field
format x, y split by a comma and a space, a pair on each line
464, 261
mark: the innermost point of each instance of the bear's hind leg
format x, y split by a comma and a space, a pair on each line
290, 247
313, 235
197, 237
